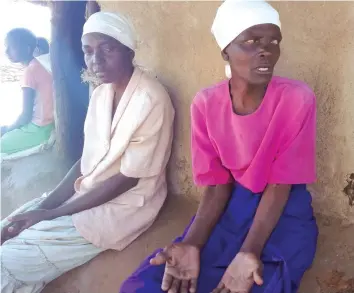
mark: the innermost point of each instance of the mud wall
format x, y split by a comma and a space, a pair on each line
176, 45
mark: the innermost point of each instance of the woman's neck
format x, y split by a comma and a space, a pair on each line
246, 97
27, 61
120, 86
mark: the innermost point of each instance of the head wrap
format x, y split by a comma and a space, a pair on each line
235, 16
114, 25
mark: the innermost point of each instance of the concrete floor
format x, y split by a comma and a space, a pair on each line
332, 272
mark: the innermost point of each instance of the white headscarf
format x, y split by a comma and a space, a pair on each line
114, 25
235, 16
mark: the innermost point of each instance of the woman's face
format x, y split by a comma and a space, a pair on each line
106, 58
253, 54
15, 52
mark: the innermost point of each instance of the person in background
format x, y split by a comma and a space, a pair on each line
253, 148
41, 53
115, 192
36, 122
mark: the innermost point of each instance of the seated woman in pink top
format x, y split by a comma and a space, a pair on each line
35, 124
253, 148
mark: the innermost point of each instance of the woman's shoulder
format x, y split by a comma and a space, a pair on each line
292, 88
212, 93
100, 89
39, 72
150, 83
34, 65
293, 94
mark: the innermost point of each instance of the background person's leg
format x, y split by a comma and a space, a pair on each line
25, 138
42, 253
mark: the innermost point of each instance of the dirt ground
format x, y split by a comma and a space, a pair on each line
332, 271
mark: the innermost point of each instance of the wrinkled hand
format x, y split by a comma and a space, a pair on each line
30, 218
182, 268
11, 230
15, 227
242, 273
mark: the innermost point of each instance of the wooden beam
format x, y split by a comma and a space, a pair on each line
91, 8
71, 95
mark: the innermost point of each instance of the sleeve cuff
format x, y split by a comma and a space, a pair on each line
212, 179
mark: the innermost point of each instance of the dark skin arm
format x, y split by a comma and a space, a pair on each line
267, 216
104, 192
211, 207
64, 190
213, 204
28, 95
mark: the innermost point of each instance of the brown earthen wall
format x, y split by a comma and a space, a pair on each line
176, 45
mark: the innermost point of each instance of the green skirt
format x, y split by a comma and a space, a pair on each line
26, 137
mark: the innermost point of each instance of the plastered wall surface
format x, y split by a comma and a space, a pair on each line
318, 46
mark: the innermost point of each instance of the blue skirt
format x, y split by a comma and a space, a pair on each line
288, 253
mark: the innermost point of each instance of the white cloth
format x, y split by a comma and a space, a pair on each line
42, 253
235, 16
44, 60
114, 25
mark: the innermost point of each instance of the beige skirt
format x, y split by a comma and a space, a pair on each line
42, 253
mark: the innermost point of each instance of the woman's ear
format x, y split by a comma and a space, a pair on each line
224, 55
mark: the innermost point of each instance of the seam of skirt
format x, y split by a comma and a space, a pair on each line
44, 257
9, 275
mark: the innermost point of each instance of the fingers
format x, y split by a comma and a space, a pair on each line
14, 228
173, 285
218, 289
159, 259
176, 284
8, 232
193, 286
184, 286
188, 286
167, 281
223, 289
257, 278
26, 226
